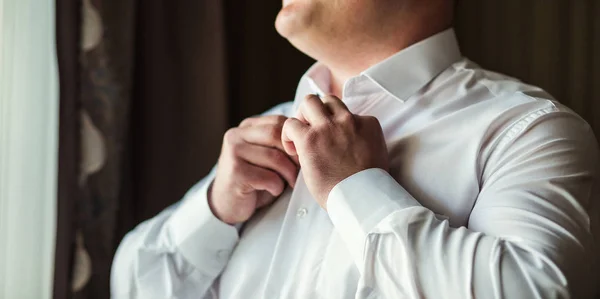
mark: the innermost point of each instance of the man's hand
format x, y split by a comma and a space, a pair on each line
333, 144
252, 169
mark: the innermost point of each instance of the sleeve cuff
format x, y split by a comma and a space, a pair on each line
359, 203
203, 239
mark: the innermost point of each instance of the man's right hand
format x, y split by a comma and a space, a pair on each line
253, 169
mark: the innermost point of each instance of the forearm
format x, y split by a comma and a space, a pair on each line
180, 252
429, 259
403, 250
177, 254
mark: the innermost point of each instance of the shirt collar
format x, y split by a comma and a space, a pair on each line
401, 75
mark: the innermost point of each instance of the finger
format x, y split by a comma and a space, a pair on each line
295, 159
264, 199
270, 158
263, 120
370, 121
263, 179
312, 110
263, 134
292, 134
335, 105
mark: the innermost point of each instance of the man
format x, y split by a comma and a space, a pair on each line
430, 178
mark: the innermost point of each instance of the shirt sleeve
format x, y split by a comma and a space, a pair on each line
529, 234
179, 253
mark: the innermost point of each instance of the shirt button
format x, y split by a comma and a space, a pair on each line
301, 213
223, 255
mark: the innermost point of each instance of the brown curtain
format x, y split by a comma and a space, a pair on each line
67, 49
179, 103
551, 44
200, 68
103, 112
167, 78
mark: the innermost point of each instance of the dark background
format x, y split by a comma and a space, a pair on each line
169, 77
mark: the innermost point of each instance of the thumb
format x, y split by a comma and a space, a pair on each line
292, 135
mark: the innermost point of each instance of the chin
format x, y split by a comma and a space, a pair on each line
298, 22
293, 18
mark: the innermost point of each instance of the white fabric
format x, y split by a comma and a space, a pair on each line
28, 148
489, 196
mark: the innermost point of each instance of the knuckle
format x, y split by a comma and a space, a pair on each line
278, 156
267, 178
330, 98
231, 136
276, 182
311, 136
247, 121
304, 103
237, 168
272, 178
244, 122
374, 121
233, 146
368, 120
346, 117
273, 132
280, 119
327, 124
235, 149
289, 121
309, 97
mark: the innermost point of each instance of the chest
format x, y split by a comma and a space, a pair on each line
292, 250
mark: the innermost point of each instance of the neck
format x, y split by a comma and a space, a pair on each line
337, 83
375, 52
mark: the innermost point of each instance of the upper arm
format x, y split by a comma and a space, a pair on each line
537, 192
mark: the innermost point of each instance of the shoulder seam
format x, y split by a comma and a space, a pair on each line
520, 125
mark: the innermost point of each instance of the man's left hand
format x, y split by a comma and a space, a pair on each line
332, 144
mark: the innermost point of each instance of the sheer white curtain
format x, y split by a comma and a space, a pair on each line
28, 148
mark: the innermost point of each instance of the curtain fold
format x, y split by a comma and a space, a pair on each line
67, 47
105, 75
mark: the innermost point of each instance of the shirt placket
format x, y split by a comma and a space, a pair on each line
296, 229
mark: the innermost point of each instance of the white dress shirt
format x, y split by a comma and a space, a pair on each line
490, 195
